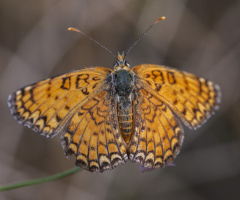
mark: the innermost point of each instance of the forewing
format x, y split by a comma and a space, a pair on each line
47, 105
158, 134
192, 98
93, 135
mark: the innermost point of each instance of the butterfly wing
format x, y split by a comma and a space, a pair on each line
47, 105
93, 135
80, 105
158, 134
192, 98
160, 94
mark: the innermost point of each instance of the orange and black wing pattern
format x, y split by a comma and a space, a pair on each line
47, 105
93, 135
86, 107
192, 98
158, 134
81, 106
162, 94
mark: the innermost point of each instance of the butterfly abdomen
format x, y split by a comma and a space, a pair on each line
125, 118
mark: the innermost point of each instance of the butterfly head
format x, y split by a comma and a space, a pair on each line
121, 62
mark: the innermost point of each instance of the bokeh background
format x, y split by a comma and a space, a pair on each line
198, 36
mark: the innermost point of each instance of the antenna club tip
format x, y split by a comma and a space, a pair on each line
160, 19
72, 29
163, 17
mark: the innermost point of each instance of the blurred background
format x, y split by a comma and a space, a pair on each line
201, 37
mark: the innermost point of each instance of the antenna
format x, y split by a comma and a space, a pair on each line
90, 38
158, 20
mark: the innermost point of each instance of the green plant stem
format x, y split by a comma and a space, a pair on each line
40, 180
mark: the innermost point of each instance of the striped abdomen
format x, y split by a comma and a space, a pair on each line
125, 117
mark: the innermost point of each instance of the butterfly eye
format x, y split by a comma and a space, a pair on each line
126, 63
116, 64
130, 75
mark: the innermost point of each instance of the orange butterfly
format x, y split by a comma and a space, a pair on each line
108, 117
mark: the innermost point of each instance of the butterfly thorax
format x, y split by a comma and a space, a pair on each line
123, 82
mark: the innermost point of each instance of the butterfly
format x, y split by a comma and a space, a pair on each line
108, 117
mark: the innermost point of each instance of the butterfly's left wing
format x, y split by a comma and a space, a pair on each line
80, 105
47, 105
93, 135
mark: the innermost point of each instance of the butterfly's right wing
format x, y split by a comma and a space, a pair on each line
192, 98
157, 135
162, 93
